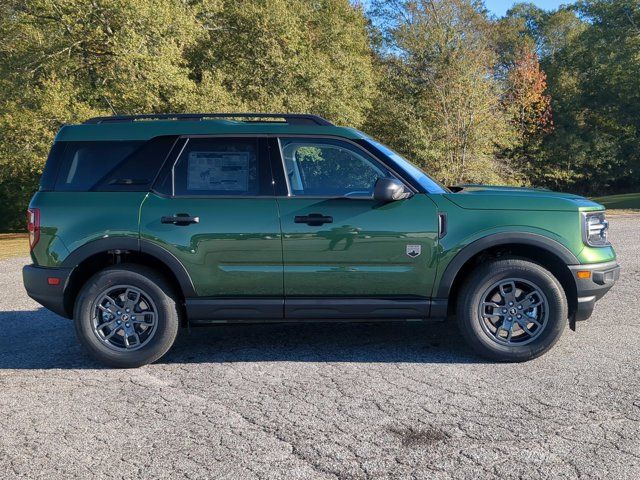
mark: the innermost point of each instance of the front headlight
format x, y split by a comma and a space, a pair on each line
595, 229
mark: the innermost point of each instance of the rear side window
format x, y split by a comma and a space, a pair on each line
137, 171
218, 166
85, 164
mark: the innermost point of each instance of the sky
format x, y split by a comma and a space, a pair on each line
500, 7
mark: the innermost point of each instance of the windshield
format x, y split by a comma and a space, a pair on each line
429, 184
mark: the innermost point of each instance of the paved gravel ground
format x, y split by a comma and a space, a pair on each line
324, 401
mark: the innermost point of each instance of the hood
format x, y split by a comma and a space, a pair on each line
487, 197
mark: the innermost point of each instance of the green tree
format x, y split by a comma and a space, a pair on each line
62, 61
288, 55
594, 79
439, 101
609, 76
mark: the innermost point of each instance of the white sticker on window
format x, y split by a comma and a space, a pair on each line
224, 171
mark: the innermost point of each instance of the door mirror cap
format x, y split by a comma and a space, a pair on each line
390, 190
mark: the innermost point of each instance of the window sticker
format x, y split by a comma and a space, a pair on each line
222, 171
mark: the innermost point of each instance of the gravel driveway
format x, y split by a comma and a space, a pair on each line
324, 401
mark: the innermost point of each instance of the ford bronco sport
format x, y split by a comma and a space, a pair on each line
143, 224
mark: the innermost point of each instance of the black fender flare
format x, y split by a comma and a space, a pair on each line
495, 240
110, 244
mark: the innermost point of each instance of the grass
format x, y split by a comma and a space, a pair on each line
14, 245
626, 201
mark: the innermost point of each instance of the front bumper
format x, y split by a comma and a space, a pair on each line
590, 290
36, 283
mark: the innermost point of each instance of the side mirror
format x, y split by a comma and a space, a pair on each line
390, 190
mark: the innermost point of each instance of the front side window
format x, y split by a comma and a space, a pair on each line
218, 166
328, 167
429, 184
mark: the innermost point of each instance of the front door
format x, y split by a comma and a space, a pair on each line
346, 254
216, 213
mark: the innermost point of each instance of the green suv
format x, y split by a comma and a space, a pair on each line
143, 224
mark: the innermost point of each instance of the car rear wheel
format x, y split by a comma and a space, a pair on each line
127, 316
512, 310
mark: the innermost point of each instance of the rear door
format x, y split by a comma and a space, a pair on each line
346, 254
214, 209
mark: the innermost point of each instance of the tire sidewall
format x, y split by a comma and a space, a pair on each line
166, 317
471, 322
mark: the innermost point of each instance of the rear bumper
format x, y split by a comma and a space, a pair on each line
602, 277
36, 283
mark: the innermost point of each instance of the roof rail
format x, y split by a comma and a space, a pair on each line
290, 118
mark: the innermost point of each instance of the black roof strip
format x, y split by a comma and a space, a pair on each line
290, 118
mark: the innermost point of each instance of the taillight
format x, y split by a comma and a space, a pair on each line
33, 226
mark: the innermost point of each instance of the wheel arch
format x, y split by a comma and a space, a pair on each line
98, 254
547, 252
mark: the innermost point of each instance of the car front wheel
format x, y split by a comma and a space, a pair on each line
126, 316
512, 310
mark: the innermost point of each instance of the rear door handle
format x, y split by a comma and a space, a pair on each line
180, 219
313, 219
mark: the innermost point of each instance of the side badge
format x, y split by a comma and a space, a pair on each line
414, 250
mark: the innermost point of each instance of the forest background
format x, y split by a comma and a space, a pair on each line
541, 98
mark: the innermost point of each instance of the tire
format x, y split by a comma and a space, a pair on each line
492, 284
154, 317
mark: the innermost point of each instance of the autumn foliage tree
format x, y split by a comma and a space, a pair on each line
529, 106
527, 98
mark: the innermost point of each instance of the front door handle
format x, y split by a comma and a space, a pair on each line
313, 219
180, 219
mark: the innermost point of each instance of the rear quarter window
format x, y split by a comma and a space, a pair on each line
84, 164
111, 165
48, 178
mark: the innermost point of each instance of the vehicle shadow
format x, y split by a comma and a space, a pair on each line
39, 339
